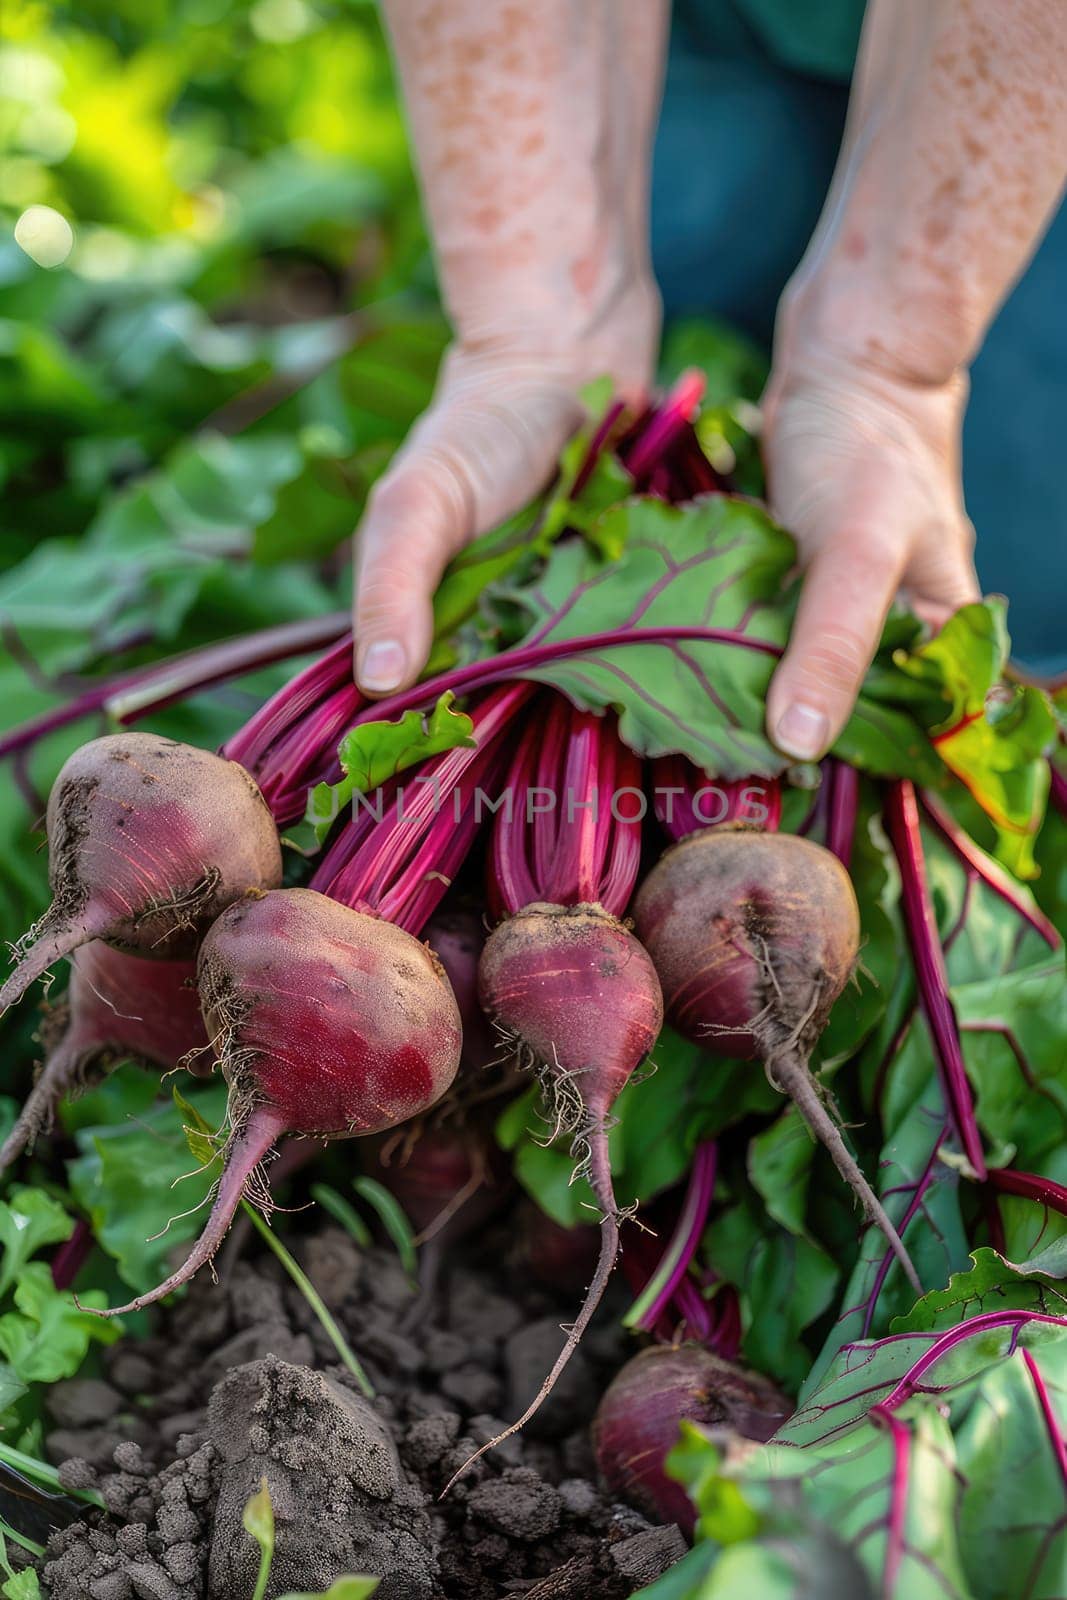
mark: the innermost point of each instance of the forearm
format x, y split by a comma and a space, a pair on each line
532, 129
953, 162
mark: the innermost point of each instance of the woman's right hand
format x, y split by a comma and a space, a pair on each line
486, 446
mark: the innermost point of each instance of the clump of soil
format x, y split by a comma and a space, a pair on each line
240, 1383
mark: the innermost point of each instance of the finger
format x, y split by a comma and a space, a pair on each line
465, 467
847, 591
418, 516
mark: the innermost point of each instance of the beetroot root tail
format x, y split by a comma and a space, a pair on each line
790, 1075
60, 1072
600, 1180
50, 946
246, 1151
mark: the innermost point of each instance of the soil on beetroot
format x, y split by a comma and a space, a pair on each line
239, 1382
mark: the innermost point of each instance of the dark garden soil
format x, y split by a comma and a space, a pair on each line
240, 1382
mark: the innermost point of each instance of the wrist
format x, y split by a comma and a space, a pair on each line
566, 342
882, 316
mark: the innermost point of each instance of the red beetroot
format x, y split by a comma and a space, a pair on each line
638, 1421
328, 1022
148, 841
117, 1006
754, 936
562, 978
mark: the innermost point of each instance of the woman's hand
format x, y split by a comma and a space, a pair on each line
952, 164
487, 445
864, 470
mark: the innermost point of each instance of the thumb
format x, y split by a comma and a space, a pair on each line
466, 466
417, 517
848, 589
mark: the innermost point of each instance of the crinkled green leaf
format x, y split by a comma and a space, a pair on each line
375, 751
990, 1284
29, 1220
47, 1337
995, 737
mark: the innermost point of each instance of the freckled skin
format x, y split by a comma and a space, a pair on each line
533, 120
954, 160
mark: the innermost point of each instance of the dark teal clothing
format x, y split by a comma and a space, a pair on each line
815, 37
752, 121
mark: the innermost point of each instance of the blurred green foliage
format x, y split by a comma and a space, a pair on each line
236, 180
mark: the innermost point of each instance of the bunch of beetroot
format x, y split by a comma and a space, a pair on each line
346, 1008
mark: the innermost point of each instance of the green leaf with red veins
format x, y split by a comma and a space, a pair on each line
920, 1191
720, 564
936, 1458
1014, 1033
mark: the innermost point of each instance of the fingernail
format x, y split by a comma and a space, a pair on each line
802, 731
382, 666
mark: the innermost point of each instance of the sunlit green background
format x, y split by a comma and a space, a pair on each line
228, 172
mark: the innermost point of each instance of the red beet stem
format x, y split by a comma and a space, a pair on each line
525, 659
134, 694
656, 1296
843, 809
402, 866
580, 851
1030, 1186
902, 825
